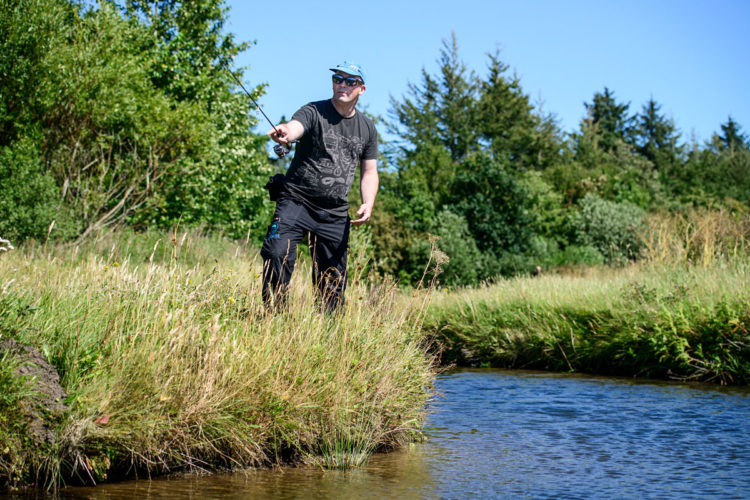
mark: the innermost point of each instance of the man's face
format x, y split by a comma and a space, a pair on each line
343, 90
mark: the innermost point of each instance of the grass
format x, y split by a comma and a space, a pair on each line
171, 362
687, 323
683, 312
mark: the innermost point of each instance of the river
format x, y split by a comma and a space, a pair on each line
515, 434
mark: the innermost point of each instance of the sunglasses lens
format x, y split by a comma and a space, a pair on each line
350, 81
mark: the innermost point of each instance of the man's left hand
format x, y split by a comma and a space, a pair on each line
364, 212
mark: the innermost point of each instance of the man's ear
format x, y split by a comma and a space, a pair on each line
362, 87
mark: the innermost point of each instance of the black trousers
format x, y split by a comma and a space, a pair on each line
329, 242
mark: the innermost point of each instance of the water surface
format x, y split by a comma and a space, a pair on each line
510, 434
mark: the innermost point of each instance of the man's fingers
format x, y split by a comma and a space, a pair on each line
278, 134
364, 214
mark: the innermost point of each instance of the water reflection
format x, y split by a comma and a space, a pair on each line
523, 434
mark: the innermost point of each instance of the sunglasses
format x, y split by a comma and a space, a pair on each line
349, 80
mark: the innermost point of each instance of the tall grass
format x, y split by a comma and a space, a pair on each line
684, 312
171, 361
700, 237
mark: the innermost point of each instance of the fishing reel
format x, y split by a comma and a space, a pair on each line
280, 151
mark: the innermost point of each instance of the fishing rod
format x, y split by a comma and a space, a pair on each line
278, 148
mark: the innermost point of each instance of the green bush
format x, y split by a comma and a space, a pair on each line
611, 228
575, 255
495, 205
30, 200
456, 241
547, 254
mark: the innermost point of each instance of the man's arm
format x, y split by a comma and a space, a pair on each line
368, 186
287, 132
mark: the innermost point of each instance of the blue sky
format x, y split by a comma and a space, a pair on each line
690, 56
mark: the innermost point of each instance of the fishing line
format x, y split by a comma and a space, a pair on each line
278, 148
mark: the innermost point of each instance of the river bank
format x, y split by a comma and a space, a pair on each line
520, 434
169, 362
680, 322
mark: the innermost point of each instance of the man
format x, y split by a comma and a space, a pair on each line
333, 138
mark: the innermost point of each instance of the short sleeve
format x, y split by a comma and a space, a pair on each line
371, 148
306, 115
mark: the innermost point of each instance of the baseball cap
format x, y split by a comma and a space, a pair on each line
350, 69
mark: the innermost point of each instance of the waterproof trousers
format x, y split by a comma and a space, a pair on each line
328, 240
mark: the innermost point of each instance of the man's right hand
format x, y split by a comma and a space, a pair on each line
284, 133
279, 133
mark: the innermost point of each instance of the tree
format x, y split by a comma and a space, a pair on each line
717, 172
617, 173
121, 143
655, 137
190, 59
30, 203
189, 51
611, 118
29, 29
732, 137
494, 204
437, 124
465, 141
508, 124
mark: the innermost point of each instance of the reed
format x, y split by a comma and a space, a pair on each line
682, 312
682, 322
171, 362
698, 237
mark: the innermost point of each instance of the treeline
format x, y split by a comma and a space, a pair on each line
124, 113
507, 191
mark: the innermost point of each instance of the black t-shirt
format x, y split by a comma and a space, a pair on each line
328, 154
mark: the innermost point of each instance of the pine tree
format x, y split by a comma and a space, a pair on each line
509, 125
611, 118
437, 124
656, 137
732, 137
505, 119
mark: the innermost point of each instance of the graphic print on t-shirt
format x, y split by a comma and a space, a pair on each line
338, 166
328, 154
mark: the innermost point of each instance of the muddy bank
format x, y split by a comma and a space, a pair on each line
33, 407
47, 402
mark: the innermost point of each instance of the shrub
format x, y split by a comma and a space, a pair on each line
611, 228
458, 244
495, 205
30, 201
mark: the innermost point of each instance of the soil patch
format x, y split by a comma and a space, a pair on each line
47, 403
